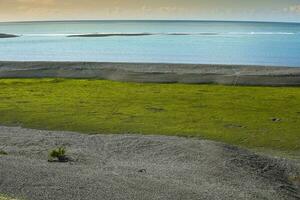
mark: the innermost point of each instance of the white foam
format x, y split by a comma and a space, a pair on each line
46, 35
260, 33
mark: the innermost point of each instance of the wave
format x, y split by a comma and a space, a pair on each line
261, 33
110, 34
138, 34
153, 34
180, 34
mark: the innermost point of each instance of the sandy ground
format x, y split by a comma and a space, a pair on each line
138, 167
156, 73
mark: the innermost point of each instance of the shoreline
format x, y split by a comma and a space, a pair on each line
156, 72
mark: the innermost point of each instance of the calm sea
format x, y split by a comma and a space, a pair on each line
168, 42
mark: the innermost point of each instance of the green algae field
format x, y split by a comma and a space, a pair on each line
251, 117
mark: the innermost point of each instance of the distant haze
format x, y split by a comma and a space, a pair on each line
249, 10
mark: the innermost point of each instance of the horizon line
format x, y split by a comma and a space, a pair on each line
149, 20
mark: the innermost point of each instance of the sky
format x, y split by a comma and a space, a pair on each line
245, 10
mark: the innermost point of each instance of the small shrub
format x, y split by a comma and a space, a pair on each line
59, 154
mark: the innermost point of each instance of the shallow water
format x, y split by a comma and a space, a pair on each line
276, 44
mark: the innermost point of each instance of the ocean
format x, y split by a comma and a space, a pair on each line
200, 42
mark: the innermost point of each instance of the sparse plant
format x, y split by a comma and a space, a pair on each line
59, 155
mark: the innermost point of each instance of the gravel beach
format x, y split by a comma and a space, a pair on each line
156, 73
138, 167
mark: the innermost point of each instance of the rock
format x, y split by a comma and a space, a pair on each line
61, 159
276, 119
2, 35
142, 171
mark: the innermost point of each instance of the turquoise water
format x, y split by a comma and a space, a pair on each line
253, 43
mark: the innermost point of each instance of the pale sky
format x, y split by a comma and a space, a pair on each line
253, 10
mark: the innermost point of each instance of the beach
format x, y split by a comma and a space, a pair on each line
120, 124
138, 167
156, 73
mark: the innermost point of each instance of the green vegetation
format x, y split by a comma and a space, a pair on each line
59, 154
255, 117
4, 197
